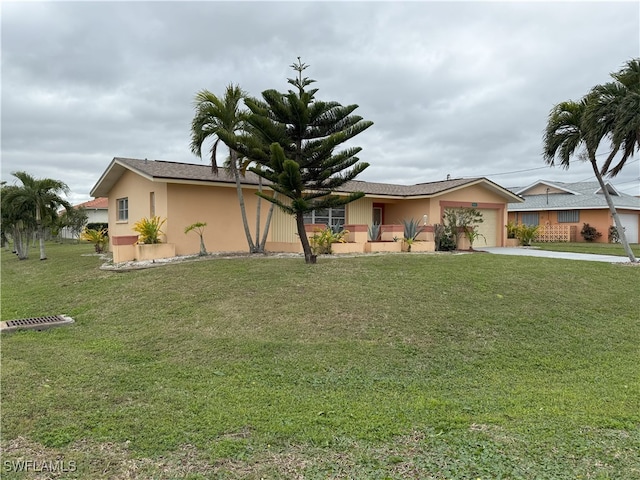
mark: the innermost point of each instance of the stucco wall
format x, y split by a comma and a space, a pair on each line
137, 189
478, 197
600, 219
219, 209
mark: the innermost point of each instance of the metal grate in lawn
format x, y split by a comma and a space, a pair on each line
35, 323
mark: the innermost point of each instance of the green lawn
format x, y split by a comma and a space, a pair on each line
425, 366
585, 247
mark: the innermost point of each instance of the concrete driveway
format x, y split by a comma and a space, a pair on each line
536, 252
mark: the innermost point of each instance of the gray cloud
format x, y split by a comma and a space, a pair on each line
453, 88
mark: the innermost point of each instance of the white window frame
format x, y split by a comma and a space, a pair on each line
122, 209
335, 213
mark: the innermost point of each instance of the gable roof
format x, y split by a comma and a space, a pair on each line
576, 196
176, 172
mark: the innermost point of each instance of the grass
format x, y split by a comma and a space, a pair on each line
589, 247
392, 366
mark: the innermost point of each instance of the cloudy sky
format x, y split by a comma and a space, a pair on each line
453, 88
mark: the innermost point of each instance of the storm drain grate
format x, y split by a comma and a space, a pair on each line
36, 323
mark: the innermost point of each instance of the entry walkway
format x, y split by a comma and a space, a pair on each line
536, 252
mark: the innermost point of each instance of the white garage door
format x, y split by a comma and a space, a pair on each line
630, 223
488, 228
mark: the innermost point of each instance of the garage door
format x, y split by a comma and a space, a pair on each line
630, 223
488, 228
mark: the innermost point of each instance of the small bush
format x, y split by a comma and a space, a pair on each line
444, 240
148, 229
614, 236
589, 233
527, 234
322, 240
512, 230
99, 238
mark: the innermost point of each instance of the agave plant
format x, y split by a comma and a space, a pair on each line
374, 232
148, 229
412, 229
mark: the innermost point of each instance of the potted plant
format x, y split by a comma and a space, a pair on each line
149, 246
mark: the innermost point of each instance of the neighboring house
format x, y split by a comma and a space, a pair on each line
561, 209
184, 194
96, 210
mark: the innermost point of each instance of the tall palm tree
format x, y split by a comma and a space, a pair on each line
213, 116
568, 130
40, 197
615, 113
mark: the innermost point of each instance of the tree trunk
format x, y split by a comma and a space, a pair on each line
309, 257
267, 224
612, 209
259, 248
40, 235
203, 249
21, 243
245, 223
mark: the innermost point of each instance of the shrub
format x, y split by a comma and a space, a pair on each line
444, 239
589, 233
462, 220
99, 238
148, 229
527, 233
322, 240
512, 230
614, 236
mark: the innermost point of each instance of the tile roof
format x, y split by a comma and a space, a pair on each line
160, 169
96, 203
585, 196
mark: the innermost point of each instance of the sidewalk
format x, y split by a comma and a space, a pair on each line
536, 252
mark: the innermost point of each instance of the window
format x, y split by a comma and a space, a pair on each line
123, 209
326, 216
530, 219
569, 216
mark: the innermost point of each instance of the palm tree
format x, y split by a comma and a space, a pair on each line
213, 116
568, 130
615, 112
40, 197
18, 222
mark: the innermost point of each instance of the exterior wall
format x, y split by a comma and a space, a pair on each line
283, 226
137, 189
97, 215
600, 219
477, 197
184, 204
407, 209
360, 212
218, 207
